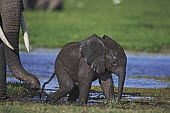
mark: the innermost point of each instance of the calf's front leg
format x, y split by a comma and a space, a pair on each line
106, 83
85, 76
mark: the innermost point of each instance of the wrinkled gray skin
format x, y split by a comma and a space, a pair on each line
80, 63
10, 17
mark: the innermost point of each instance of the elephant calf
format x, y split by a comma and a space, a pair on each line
80, 63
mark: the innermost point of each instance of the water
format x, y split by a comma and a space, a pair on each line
148, 64
41, 62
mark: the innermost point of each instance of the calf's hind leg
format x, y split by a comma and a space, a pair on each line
73, 96
66, 86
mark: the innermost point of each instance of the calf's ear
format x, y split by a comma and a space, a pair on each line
93, 52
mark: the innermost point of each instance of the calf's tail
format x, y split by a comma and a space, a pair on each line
43, 86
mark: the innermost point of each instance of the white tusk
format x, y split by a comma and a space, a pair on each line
26, 40
4, 39
24, 32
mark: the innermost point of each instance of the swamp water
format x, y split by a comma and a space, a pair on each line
40, 62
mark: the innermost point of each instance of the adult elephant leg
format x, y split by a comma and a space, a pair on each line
42, 4
29, 4
11, 17
73, 96
55, 5
3, 88
106, 83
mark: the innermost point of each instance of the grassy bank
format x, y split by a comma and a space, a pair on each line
165, 79
16, 89
138, 25
159, 104
40, 108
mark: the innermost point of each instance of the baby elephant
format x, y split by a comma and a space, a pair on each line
80, 63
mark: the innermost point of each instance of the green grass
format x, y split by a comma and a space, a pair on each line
166, 78
20, 107
158, 105
138, 25
16, 89
144, 92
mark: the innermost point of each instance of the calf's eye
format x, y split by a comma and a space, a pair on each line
114, 63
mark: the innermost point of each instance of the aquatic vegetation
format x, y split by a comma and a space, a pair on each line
149, 92
158, 94
165, 78
16, 89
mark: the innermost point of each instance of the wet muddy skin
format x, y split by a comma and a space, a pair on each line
40, 62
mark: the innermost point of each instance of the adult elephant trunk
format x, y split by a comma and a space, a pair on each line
121, 80
11, 18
